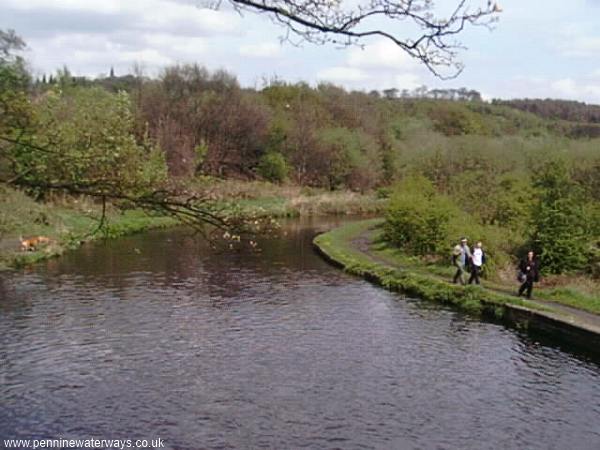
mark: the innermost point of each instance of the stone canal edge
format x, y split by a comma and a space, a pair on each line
347, 247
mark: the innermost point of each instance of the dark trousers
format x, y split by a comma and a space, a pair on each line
527, 286
475, 272
459, 275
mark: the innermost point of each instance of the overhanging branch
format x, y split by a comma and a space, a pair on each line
324, 21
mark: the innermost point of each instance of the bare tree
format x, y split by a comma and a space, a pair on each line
426, 35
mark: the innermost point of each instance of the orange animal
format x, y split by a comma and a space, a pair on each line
33, 243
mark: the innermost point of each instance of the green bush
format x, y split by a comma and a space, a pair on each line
90, 134
559, 231
418, 218
455, 119
423, 222
499, 243
593, 256
383, 193
349, 158
273, 167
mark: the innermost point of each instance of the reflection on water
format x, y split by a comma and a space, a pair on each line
156, 335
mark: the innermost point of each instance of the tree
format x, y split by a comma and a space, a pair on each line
9, 43
273, 167
347, 158
83, 143
418, 218
15, 107
88, 134
560, 231
432, 43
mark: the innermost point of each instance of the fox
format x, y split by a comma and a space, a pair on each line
33, 243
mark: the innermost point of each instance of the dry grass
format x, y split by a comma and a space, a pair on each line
583, 284
342, 202
300, 200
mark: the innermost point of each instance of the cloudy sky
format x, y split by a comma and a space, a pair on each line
539, 48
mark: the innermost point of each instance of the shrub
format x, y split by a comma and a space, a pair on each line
560, 233
455, 119
423, 222
273, 167
90, 134
417, 219
594, 259
349, 158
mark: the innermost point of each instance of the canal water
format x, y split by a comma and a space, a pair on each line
158, 336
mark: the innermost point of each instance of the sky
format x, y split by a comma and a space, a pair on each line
538, 48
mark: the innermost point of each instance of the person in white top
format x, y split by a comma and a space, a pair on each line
477, 262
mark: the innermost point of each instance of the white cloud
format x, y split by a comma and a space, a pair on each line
382, 54
379, 65
261, 50
111, 16
183, 19
342, 75
586, 89
408, 81
91, 36
565, 87
180, 46
92, 54
581, 46
105, 6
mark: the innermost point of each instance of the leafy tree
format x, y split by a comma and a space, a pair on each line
559, 230
16, 111
273, 167
349, 157
454, 119
494, 200
84, 139
418, 218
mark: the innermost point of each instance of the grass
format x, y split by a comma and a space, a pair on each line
578, 292
338, 246
260, 198
572, 296
68, 222
258, 208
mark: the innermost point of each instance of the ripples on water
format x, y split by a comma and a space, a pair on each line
156, 336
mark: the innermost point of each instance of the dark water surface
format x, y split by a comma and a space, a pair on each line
156, 336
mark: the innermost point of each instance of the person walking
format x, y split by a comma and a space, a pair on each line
477, 262
461, 258
529, 272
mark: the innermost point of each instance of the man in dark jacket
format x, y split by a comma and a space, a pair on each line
530, 270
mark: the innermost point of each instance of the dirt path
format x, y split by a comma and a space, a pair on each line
363, 241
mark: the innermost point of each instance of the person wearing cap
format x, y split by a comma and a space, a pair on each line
461, 258
477, 262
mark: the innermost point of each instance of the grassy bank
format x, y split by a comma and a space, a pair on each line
69, 222
263, 199
338, 246
575, 291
